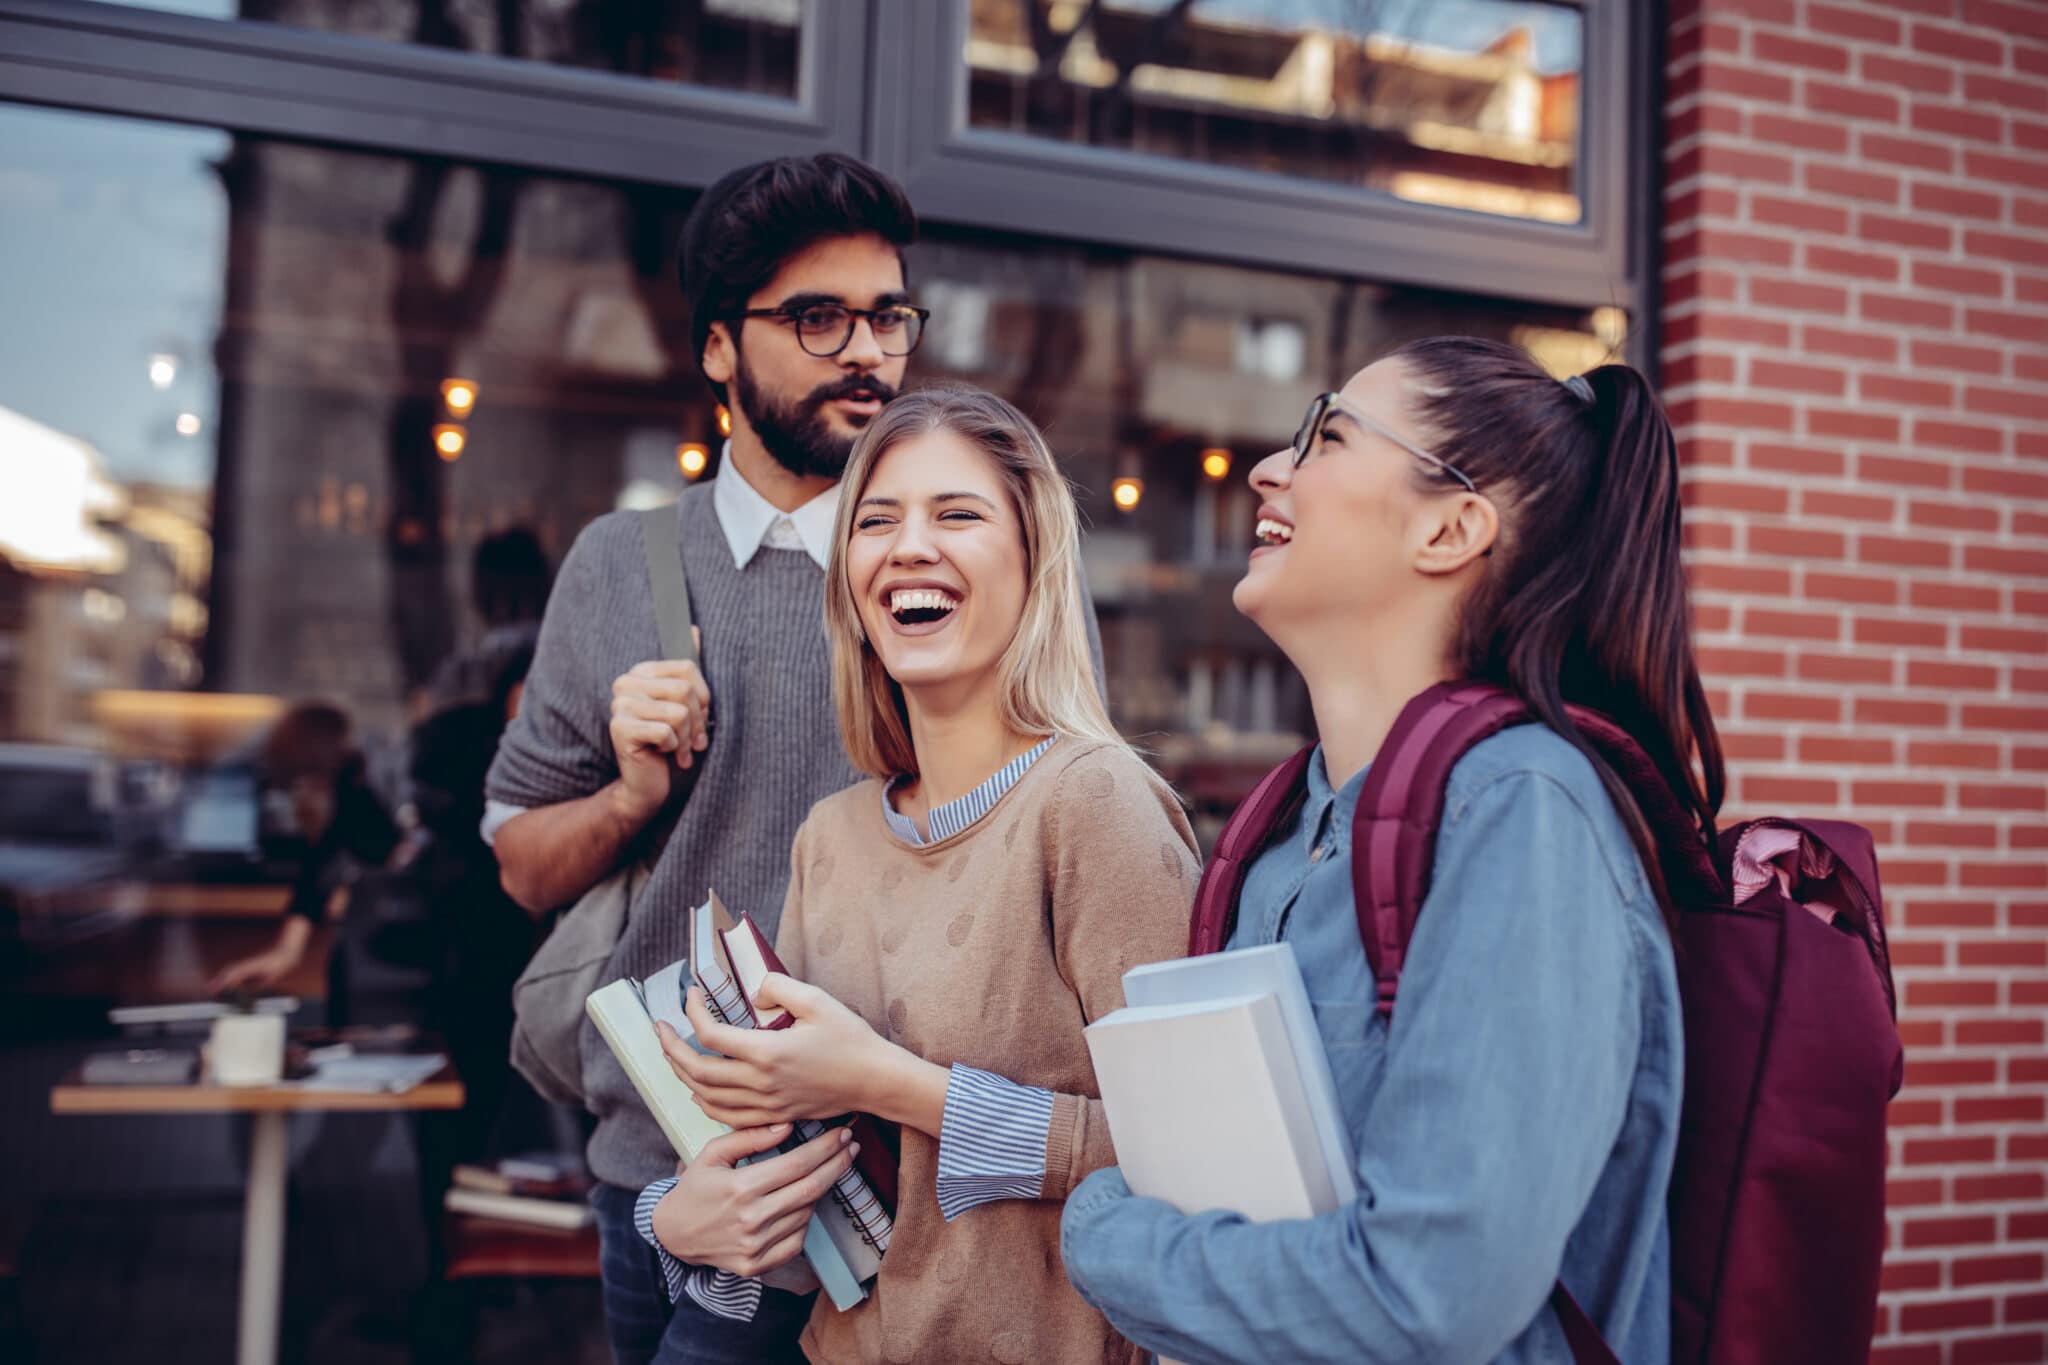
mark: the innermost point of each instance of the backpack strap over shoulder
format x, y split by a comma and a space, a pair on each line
1393, 833
661, 533
1250, 829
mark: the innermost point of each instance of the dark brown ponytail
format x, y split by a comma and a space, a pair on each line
1585, 599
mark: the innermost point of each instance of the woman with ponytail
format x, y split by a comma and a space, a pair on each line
1457, 514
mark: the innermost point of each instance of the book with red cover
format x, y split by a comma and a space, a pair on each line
730, 958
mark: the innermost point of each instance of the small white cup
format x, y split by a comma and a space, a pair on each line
248, 1049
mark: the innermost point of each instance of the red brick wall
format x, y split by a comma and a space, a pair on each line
1856, 357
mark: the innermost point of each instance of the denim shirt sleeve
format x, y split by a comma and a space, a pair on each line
1508, 1069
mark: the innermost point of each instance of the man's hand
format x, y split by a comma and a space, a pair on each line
749, 1219
659, 708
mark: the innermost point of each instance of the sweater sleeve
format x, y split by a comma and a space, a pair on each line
1123, 877
559, 746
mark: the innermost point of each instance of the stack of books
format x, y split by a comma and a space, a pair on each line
851, 1227
539, 1190
1236, 1024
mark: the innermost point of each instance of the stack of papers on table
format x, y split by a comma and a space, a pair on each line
372, 1074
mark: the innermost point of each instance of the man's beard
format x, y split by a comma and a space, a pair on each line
799, 435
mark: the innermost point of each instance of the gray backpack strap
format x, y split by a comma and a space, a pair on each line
661, 535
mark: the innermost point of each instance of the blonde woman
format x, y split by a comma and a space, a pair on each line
954, 922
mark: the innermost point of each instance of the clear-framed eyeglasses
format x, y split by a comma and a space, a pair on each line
1309, 435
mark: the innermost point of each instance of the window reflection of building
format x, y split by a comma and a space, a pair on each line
99, 583
325, 555
357, 285
1466, 103
745, 45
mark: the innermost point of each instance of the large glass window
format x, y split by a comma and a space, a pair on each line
260, 404
264, 400
742, 45
265, 406
281, 427
1472, 104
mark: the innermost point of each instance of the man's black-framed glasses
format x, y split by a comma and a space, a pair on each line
824, 329
1309, 435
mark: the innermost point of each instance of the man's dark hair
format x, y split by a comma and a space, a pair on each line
754, 219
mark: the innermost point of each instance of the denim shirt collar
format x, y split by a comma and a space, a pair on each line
1325, 814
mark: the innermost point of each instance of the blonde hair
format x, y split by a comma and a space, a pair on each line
1046, 677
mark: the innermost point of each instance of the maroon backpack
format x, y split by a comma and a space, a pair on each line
1792, 1047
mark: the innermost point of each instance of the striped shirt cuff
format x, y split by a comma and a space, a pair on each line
715, 1291
673, 1272
991, 1140
724, 1294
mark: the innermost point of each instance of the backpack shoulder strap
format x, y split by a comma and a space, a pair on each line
661, 533
1393, 838
1393, 833
1581, 1334
1251, 826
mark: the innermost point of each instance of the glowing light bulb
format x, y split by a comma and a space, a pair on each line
459, 395
449, 439
1126, 492
1216, 463
692, 458
724, 420
162, 370
188, 424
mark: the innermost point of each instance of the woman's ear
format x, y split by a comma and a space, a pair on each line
1460, 529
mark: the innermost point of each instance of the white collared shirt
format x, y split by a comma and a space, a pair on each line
751, 521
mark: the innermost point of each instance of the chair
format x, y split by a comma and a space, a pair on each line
489, 1249
486, 1254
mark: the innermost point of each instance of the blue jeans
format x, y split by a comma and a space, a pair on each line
645, 1329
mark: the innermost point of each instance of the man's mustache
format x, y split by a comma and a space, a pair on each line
854, 386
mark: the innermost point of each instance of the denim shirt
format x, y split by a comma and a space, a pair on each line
1514, 1125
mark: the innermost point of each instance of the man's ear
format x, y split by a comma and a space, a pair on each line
1460, 530
719, 354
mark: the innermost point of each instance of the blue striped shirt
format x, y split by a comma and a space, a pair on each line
991, 1137
948, 820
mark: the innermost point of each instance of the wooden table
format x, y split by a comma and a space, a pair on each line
270, 1108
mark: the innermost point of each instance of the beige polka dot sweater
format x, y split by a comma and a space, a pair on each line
992, 948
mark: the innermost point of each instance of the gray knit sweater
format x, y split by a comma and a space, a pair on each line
774, 751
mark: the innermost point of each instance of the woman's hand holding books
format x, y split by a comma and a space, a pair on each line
749, 1219
827, 1063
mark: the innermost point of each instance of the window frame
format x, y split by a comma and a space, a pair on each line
859, 91
1020, 183
257, 77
